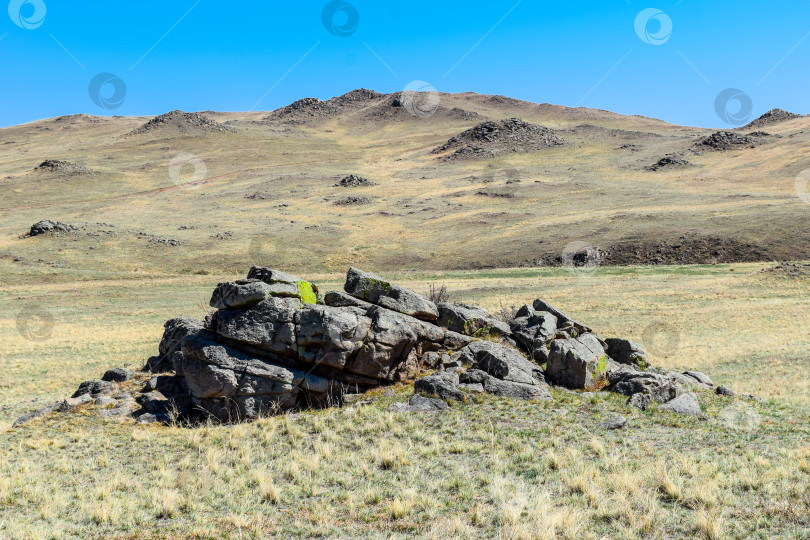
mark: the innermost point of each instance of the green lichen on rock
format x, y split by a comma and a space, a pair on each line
306, 293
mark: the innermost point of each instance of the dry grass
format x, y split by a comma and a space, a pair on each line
488, 468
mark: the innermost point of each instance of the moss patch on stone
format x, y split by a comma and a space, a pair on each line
306, 293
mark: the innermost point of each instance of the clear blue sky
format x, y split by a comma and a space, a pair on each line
234, 56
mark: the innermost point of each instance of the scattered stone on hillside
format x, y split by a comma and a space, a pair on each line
33, 415
684, 404
47, 226
165, 241
774, 116
57, 166
272, 346
726, 140
724, 391
660, 388
470, 320
184, 123
354, 180
419, 403
118, 375
491, 139
352, 201
668, 162
616, 422
788, 269
640, 401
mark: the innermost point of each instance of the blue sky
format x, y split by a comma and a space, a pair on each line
208, 55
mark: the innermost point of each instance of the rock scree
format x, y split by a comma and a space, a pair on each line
274, 344
490, 139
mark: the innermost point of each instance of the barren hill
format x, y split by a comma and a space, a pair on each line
641, 190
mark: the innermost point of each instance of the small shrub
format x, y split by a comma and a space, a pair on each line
438, 293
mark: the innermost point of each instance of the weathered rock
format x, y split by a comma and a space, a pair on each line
47, 226
639, 401
577, 362
475, 388
72, 402
501, 362
617, 422
684, 404
341, 299
470, 320
269, 325
93, 388
443, 384
118, 375
175, 331
149, 418
562, 318
661, 388
105, 401
246, 293
328, 336
701, 378
376, 290
509, 389
534, 330
627, 352
724, 391
307, 292
419, 403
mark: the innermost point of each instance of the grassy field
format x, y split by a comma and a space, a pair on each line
487, 468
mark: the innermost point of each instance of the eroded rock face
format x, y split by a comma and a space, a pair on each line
577, 362
273, 346
376, 290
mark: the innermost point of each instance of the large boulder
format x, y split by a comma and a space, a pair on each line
470, 320
627, 352
443, 384
246, 293
661, 388
229, 383
534, 330
376, 290
499, 387
577, 362
329, 336
307, 292
341, 299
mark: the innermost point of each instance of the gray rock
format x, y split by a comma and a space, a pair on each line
269, 325
510, 389
627, 352
661, 388
724, 391
562, 318
577, 362
154, 402
639, 401
501, 362
419, 403
341, 299
47, 226
149, 418
93, 388
684, 404
175, 331
118, 375
105, 401
443, 384
246, 293
376, 290
701, 378
470, 320
534, 330
473, 388
71, 403
329, 336
617, 422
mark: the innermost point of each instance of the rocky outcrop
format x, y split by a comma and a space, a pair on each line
272, 345
47, 226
